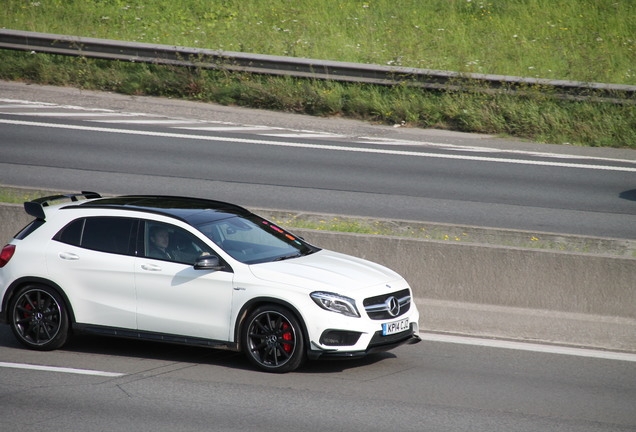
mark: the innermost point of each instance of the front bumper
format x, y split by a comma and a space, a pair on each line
378, 343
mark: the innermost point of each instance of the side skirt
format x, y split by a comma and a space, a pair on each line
154, 337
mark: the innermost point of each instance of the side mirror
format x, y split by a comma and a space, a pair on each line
208, 262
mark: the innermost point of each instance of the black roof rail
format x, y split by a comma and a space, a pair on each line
36, 207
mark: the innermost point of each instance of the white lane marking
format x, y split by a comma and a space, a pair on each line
146, 121
17, 103
60, 369
67, 114
225, 128
32, 106
29, 104
527, 346
303, 135
389, 142
464, 148
322, 147
23, 102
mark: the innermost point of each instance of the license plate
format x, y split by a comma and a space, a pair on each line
395, 327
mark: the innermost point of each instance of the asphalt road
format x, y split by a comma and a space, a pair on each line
322, 166
431, 386
361, 170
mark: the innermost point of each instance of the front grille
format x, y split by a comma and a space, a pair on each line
384, 307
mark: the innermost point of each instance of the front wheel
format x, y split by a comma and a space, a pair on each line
38, 318
272, 339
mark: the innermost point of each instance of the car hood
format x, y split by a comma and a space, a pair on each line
326, 270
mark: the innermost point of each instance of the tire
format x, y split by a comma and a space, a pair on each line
272, 339
39, 319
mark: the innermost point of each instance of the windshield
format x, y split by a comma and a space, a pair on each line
252, 240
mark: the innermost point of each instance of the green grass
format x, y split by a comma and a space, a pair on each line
11, 195
586, 40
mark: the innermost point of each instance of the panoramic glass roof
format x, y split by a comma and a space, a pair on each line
192, 210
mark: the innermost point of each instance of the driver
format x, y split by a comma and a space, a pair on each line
159, 242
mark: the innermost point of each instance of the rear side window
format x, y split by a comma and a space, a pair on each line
29, 229
71, 233
104, 234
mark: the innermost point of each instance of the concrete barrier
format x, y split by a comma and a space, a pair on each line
491, 291
506, 292
12, 219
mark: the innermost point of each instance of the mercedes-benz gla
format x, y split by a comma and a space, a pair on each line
197, 272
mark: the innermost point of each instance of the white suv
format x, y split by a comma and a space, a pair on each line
196, 272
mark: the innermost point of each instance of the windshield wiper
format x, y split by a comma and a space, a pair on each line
286, 257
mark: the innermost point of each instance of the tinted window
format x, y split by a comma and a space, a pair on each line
29, 229
108, 234
253, 240
105, 234
171, 243
71, 233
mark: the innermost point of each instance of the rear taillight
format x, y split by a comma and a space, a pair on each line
6, 254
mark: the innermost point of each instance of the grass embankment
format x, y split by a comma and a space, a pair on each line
587, 40
12, 195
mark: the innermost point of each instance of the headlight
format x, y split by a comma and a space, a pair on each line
335, 303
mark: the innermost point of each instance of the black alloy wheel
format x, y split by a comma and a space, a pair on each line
273, 339
38, 318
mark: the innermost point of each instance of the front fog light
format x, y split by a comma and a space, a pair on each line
336, 303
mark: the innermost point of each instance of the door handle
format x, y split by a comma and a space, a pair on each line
150, 267
68, 256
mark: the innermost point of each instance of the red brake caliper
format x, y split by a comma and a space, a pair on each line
288, 337
28, 308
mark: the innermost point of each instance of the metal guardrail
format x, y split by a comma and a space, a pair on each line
301, 67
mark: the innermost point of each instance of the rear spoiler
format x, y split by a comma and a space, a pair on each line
36, 207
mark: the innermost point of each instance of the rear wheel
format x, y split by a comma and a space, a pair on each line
39, 318
272, 339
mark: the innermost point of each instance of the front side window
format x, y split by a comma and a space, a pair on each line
254, 240
171, 243
104, 234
